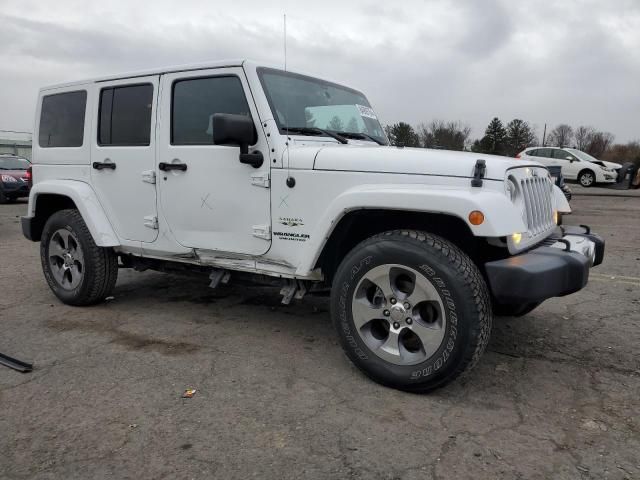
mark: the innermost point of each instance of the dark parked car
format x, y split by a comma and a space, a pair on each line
15, 177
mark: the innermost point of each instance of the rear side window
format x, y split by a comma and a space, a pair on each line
125, 115
544, 152
62, 119
194, 103
532, 153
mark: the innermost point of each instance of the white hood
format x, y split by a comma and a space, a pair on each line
383, 159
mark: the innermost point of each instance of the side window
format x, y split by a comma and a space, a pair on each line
194, 103
544, 152
62, 119
562, 155
532, 153
125, 115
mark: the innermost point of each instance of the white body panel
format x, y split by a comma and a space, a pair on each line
125, 189
213, 204
210, 213
87, 202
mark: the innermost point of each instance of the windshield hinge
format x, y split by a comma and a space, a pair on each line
478, 173
262, 231
151, 221
149, 176
260, 179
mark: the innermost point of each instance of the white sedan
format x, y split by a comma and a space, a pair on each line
576, 164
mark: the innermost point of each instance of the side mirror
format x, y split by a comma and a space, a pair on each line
571, 159
230, 129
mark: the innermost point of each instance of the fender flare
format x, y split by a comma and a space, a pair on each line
502, 218
86, 202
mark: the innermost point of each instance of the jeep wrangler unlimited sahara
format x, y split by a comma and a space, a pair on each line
233, 169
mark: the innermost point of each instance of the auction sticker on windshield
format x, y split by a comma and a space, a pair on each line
366, 111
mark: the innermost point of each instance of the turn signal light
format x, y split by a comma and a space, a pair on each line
476, 217
555, 217
517, 238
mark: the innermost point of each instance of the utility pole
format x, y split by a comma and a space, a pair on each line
544, 134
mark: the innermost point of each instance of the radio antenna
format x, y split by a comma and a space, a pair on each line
290, 181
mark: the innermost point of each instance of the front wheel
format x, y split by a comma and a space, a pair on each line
76, 269
411, 309
587, 178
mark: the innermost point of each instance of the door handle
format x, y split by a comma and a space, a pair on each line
165, 167
103, 165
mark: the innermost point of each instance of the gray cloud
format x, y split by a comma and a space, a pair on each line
575, 62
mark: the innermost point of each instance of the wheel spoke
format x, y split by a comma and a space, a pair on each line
363, 312
381, 277
391, 347
56, 250
430, 336
423, 291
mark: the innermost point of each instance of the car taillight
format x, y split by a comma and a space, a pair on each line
29, 176
518, 156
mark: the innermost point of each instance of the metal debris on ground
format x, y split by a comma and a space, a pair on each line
18, 365
189, 393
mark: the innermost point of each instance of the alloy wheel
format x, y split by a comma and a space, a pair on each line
399, 314
66, 259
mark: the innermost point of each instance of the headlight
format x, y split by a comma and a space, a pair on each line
8, 179
511, 188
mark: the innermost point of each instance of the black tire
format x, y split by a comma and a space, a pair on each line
508, 310
100, 265
464, 294
587, 178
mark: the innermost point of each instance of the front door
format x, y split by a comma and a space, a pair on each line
123, 155
570, 164
213, 201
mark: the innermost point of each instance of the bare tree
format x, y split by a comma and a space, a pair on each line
599, 143
583, 136
445, 135
561, 135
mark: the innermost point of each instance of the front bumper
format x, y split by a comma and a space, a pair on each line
15, 189
550, 271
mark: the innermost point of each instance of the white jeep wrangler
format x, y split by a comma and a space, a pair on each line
234, 169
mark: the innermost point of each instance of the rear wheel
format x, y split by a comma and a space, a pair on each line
76, 269
587, 178
411, 309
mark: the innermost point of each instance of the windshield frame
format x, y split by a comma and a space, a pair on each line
21, 159
282, 129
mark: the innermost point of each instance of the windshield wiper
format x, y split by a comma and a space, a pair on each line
316, 131
361, 136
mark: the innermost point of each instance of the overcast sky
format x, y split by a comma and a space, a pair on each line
576, 62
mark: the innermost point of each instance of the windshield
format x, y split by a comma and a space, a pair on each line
300, 102
582, 155
13, 163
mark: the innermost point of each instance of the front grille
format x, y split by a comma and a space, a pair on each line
536, 192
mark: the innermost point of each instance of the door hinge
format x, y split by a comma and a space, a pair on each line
149, 176
151, 221
262, 231
260, 179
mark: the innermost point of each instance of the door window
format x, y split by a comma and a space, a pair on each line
125, 115
196, 100
562, 155
62, 119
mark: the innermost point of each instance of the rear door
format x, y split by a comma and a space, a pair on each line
123, 155
213, 201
